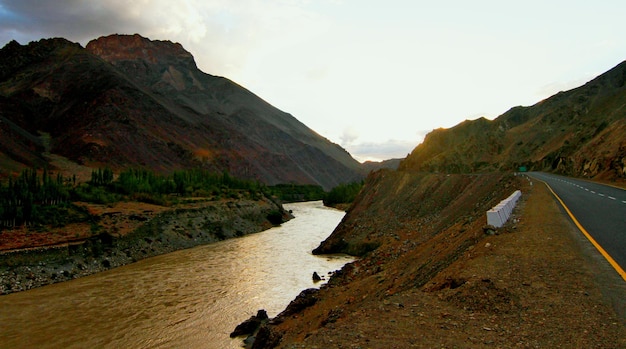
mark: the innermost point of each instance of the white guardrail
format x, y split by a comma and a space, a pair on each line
498, 215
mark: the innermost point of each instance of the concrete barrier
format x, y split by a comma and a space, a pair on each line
498, 215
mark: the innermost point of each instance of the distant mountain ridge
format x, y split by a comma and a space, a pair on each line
580, 132
127, 101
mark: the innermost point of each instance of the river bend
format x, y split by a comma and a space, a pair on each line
188, 299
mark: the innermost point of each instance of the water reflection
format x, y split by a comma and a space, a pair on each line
191, 298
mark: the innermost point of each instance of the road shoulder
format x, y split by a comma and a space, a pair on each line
534, 284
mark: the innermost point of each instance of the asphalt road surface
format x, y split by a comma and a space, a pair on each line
600, 210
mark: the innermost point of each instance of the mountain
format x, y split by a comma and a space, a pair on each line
427, 254
391, 164
578, 133
127, 101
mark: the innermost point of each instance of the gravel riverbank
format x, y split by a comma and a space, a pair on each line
165, 232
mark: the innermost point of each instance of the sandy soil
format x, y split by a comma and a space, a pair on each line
535, 284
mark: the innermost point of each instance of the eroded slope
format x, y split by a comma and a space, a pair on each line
438, 279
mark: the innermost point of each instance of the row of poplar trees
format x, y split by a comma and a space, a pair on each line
21, 196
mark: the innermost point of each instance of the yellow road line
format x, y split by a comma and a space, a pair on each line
605, 254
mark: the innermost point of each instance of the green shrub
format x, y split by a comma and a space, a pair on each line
343, 194
275, 217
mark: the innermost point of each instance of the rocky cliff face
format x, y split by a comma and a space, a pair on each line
129, 101
578, 132
115, 48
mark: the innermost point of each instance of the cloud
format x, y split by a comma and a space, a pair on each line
387, 149
189, 22
348, 136
332, 63
219, 33
69, 18
378, 151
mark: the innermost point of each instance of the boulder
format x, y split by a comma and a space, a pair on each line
316, 277
250, 326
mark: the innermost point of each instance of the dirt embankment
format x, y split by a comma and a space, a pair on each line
439, 279
127, 233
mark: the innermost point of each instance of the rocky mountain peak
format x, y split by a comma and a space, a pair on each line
128, 101
14, 56
12, 46
117, 48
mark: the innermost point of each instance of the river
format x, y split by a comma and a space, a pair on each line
187, 299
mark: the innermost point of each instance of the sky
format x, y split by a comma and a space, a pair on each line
372, 76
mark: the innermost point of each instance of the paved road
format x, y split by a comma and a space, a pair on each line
600, 209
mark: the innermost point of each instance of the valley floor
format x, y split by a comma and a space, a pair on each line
536, 284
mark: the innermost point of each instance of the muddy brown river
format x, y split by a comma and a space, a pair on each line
187, 299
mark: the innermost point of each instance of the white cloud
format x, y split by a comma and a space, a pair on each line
378, 151
220, 33
348, 136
